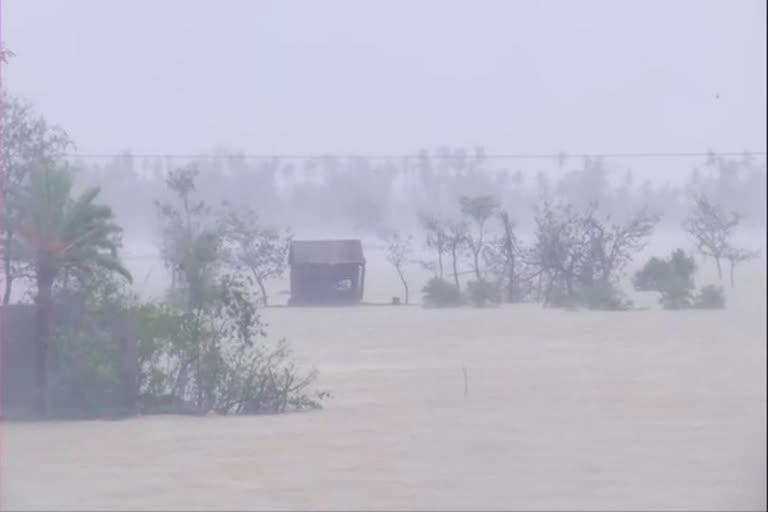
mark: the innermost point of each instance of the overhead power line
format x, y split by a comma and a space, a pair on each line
411, 156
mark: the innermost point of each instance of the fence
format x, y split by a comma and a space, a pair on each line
92, 363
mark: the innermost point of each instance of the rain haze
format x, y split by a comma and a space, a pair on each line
488, 255
184, 76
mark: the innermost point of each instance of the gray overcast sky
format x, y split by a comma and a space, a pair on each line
394, 76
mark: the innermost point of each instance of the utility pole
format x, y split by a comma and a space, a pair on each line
2, 219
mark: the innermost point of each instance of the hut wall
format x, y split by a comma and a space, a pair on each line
324, 284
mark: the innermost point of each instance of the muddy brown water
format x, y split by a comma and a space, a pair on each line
564, 410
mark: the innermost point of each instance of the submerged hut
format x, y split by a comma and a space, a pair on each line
326, 272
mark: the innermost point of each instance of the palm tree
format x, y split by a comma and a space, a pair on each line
61, 233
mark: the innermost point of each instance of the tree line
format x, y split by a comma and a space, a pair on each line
576, 257
363, 195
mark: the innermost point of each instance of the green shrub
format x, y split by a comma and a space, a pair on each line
676, 298
159, 330
84, 374
440, 293
673, 278
264, 380
232, 378
710, 297
482, 293
600, 295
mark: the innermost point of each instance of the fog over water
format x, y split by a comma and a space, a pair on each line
341, 119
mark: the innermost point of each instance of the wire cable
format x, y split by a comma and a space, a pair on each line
490, 156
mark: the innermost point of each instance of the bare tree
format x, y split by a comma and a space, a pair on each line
737, 256
510, 248
561, 239
712, 228
456, 236
399, 252
261, 250
581, 254
613, 244
479, 210
437, 238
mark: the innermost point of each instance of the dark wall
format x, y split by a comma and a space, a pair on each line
17, 367
317, 284
93, 363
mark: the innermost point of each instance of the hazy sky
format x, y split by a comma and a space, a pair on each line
394, 76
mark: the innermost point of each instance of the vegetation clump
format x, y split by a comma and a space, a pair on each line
481, 293
710, 297
673, 278
441, 293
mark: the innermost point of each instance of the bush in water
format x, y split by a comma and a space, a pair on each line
440, 293
482, 293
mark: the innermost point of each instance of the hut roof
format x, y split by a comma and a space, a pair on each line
326, 252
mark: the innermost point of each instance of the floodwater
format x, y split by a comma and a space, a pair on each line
562, 410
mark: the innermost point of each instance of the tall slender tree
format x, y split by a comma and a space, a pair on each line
399, 253
712, 227
478, 210
437, 238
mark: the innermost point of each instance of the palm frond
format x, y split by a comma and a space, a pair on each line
65, 232
109, 262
